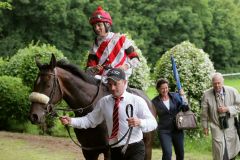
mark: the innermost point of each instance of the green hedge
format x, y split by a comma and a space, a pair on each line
14, 104
23, 65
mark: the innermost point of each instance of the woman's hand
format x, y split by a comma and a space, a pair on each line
181, 92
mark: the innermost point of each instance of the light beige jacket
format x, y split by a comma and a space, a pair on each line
209, 118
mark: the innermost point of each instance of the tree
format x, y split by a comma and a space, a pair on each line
61, 23
223, 37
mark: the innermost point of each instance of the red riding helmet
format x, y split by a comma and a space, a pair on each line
100, 16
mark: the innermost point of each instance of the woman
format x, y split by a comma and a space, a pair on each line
168, 105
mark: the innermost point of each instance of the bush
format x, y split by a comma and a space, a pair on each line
14, 104
141, 75
23, 65
194, 67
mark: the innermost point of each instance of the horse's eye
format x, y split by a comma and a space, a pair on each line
48, 85
45, 79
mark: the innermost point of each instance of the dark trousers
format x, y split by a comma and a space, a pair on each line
172, 138
135, 151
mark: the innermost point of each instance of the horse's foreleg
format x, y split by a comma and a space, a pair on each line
90, 155
94, 154
106, 154
148, 139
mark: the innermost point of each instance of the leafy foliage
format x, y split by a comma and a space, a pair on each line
5, 5
224, 35
62, 23
23, 65
14, 104
141, 74
2, 63
194, 67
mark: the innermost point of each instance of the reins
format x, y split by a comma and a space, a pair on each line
79, 109
129, 108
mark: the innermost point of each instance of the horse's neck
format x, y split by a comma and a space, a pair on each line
76, 91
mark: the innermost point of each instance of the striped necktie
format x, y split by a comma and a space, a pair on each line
115, 117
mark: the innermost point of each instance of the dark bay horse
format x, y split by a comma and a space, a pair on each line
57, 81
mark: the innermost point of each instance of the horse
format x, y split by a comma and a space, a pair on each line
60, 80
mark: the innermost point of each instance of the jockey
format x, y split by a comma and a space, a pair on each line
109, 50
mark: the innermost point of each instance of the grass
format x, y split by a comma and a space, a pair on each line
22, 151
233, 82
151, 91
11, 149
18, 146
195, 149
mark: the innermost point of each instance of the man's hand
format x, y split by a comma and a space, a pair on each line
205, 131
222, 109
133, 122
65, 120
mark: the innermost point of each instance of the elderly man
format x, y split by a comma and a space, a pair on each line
220, 104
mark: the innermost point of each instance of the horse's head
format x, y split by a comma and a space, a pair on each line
46, 92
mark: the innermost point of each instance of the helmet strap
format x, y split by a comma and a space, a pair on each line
107, 27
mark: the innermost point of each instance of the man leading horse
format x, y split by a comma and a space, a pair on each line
113, 109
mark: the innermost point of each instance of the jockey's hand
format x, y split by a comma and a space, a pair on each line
65, 120
124, 67
99, 68
93, 70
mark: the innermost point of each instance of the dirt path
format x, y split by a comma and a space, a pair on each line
53, 144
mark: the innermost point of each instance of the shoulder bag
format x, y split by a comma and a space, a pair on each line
186, 120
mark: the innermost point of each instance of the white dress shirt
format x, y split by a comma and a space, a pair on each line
104, 110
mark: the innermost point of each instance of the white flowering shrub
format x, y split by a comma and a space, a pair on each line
194, 68
141, 74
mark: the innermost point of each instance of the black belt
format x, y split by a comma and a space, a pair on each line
132, 144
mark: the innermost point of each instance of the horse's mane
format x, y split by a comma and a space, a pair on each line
76, 71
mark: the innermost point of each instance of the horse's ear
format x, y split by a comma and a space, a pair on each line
39, 65
53, 62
